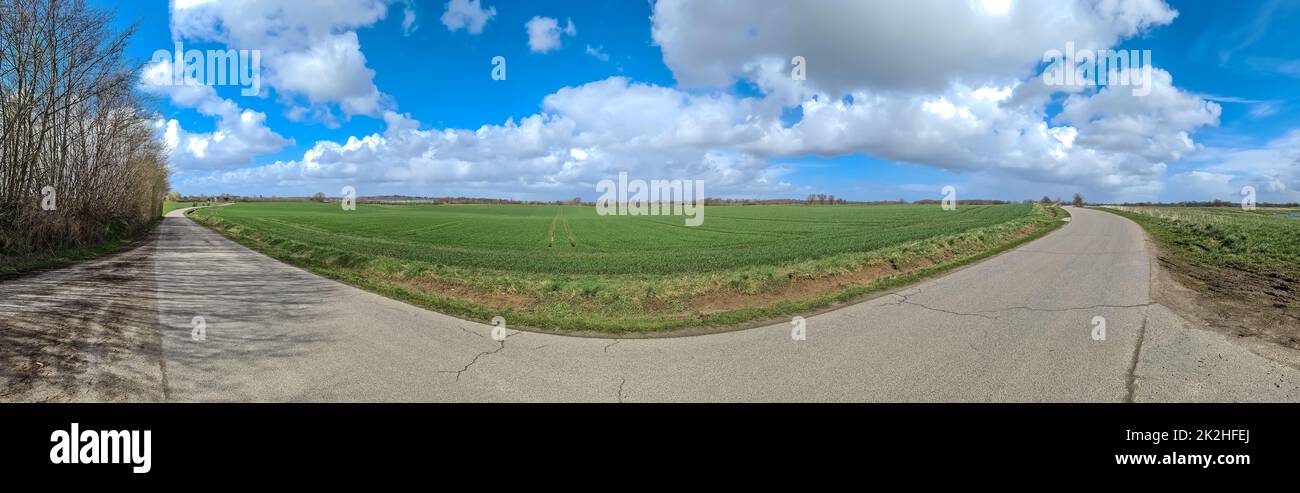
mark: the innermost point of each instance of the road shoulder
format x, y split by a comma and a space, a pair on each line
1182, 358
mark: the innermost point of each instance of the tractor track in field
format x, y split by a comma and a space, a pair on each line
560, 220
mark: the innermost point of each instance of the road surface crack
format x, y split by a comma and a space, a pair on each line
475, 360
1131, 385
470, 332
480, 355
904, 300
610, 345
620, 390
162, 369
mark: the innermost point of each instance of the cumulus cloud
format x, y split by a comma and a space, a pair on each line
1272, 169
585, 134
467, 14
332, 70
1110, 141
1153, 128
902, 45
309, 48
240, 136
544, 33
1104, 141
952, 85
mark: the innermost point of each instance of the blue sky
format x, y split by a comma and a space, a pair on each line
701, 90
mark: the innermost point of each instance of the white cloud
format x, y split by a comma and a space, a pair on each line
598, 53
398, 123
1273, 169
946, 84
544, 33
1110, 143
1257, 108
584, 134
1202, 186
309, 47
240, 135
334, 70
467, 14
408, 18
238, 139
892, 45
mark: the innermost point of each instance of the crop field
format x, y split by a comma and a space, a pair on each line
1264, 241
567, 268
169, 206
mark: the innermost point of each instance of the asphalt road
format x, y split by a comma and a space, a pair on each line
1017, 327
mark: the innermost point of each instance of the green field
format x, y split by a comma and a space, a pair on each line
565, 267
169, 206
1262, 241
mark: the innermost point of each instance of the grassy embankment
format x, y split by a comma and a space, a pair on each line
1246, 264
11, 267
117, 241
1263, 241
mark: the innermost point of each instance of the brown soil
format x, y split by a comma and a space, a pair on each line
489, 298
802, 287
1235, 302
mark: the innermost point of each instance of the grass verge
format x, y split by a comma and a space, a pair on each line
1242, 267
14, 267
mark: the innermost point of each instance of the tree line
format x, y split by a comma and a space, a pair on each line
79, 161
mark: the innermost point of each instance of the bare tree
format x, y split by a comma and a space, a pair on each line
71, 128
1078, 200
